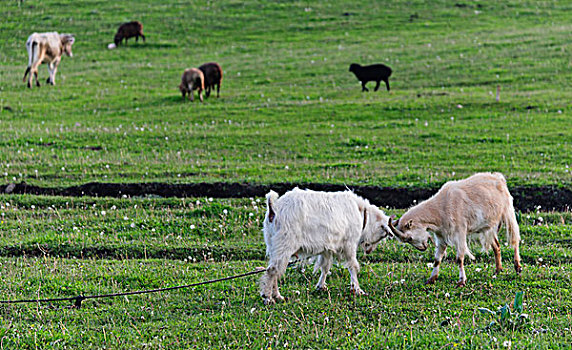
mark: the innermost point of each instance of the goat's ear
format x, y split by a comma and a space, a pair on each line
408, 224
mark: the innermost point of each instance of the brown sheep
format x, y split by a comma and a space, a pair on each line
192, 79
129, 30
213, 76
375, 72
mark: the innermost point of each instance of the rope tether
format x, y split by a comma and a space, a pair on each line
79, 298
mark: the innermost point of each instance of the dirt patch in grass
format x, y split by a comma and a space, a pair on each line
526, 198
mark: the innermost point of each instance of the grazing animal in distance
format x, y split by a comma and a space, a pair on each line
213, 76
48, 47
375, 72
129, 30
476, 206
308, 223
192, 79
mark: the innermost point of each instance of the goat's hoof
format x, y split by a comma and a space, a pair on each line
498, 271
358, 292
461, 283
323, 288
268, 301
431, 280
518, 269
279, 298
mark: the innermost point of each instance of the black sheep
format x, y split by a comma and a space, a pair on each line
129, 30
375, 72
213, 76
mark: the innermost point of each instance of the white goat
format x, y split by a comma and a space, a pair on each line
328, 224
46, 47
478, 205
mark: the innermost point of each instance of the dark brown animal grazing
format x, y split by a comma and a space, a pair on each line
129, 30
375, 72
192, 79
213, 76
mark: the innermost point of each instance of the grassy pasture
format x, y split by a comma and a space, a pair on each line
159, 242
289, 111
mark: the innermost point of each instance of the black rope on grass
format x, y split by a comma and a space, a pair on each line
78, 299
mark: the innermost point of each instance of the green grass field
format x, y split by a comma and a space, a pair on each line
289, 111
153, 243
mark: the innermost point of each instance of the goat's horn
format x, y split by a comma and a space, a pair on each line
402, 236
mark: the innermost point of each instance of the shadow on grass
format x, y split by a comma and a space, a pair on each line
146, 45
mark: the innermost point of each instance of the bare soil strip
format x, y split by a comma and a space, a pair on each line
526, 198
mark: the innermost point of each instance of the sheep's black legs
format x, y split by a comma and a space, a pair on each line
363, 88
387, 84
377, 85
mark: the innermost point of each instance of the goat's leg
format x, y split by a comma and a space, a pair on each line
517, 264
200, 94
53, 71
190, 91
353, 267
218, 90
50, 69
462, 277
207, 91
30, 78
439, 254
377, 85
269, 282
497, 252
34, 74
324, 263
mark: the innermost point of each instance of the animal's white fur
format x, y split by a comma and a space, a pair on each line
309, 223
47, 47
476, 206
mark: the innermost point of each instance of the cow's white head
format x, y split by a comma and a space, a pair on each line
412, 232
375, 228
67, 42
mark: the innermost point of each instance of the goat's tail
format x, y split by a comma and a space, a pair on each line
511, 225
271, 197
31, 57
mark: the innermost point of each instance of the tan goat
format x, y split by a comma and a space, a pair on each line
47, 47
478, 206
